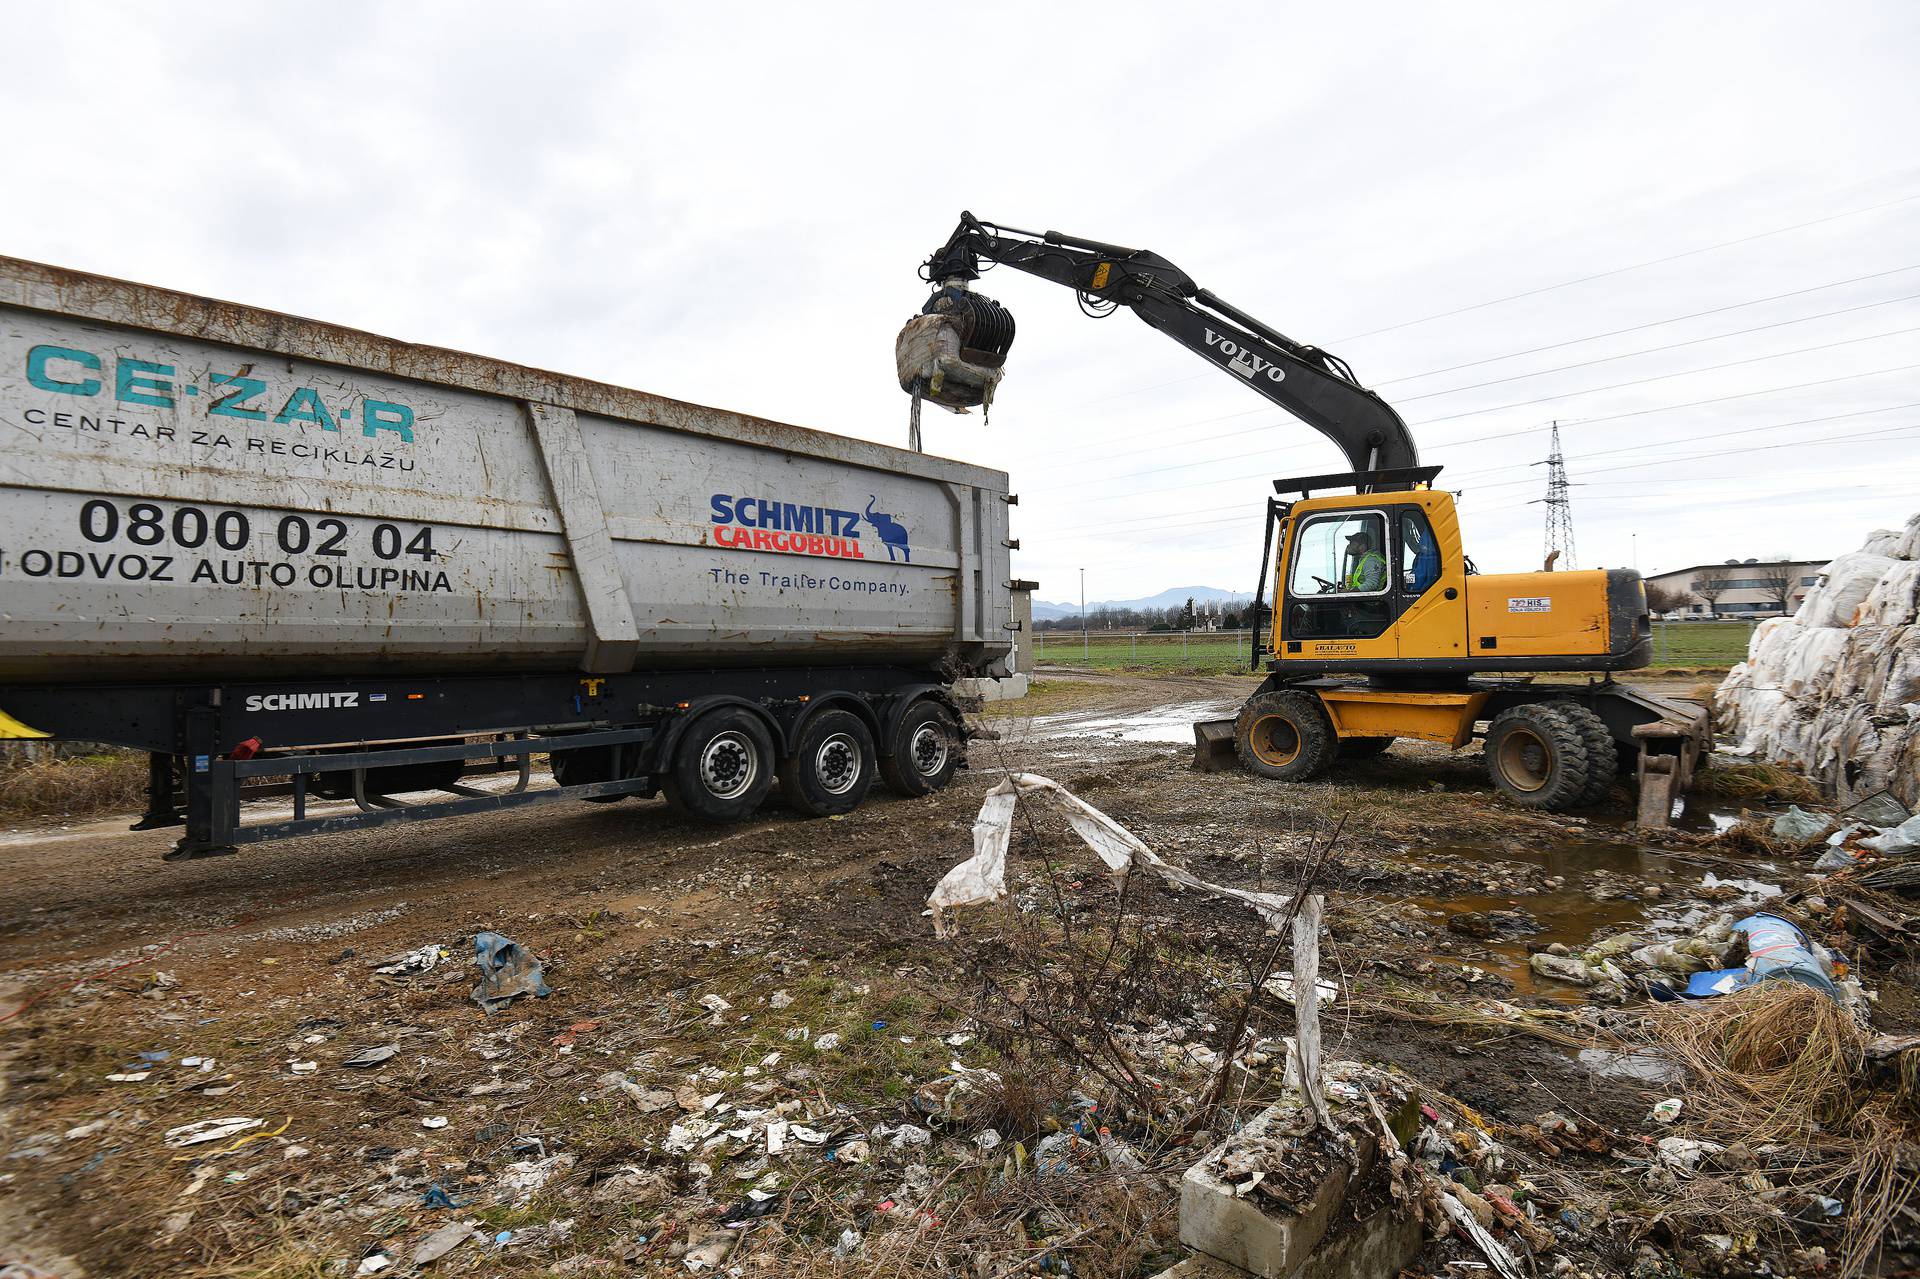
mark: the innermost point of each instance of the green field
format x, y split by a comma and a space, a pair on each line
1685, 645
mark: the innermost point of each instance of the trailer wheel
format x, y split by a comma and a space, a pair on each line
1537, 757
1364, 747
722, 767
831, 768
1284, 735
1601, 756
924, 750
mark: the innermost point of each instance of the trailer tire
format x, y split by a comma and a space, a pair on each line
923, 751
722, 766
1601, 757
1285, 736
831, 768
1364, 747
1537, 757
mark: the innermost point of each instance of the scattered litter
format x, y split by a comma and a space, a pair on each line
506, 972
299, 1067
374, 1263
524, 1179
779, 999
1280, 985
715, 1004
1836, 859
128, 1077
434, 1121
206, 1130
1904, 838
368, 1057
710, 1249
413, 962
1775, 949
827, 1042
85, 1130
983, 876
437, 1197
850, 1241
1667, 1111
441, 1242
1799, 826
567, 1037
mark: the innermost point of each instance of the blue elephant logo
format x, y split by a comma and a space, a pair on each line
893, 534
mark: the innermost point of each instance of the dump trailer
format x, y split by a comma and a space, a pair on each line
257, 546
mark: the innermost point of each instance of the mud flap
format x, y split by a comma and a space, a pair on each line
1213, 746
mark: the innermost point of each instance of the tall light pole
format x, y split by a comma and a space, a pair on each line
1083, 615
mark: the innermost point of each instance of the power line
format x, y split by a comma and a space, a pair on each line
1654, 350
1661, 377
1588, 279
1635, 328
1286, 419
1176, 520
1296, 446
1691, 404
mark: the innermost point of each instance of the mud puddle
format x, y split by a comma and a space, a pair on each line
1172, 724
1604, 890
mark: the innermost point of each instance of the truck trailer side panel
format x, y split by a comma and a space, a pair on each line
190, 489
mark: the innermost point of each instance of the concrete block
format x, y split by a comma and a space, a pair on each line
1245, 1232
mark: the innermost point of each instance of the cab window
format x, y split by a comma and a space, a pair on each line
1419, 554
1342, 554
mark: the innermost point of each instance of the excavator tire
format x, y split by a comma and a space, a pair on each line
1284, 735
1537, 757
1600, 752
1364, 747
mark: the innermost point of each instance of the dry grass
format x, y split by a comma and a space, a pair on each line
1768, 1063
1782, 1063
1757, 783
86, 786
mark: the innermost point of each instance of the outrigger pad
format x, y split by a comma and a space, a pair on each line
1213, 746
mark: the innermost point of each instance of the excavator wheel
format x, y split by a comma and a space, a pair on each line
1537, 757
1600, 751
1284, 735
1364, 747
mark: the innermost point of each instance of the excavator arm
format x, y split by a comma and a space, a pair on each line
1314, 386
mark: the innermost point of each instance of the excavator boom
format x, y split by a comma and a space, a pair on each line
1312, 385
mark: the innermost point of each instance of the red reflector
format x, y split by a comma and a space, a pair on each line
246, 750
414, 697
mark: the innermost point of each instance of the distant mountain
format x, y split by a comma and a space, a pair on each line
1172, 597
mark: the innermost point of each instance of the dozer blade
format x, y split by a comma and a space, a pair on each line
1213, 746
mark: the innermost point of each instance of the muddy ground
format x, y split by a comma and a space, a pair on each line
559, 1112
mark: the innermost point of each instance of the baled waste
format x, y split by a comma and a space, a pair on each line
1834, 690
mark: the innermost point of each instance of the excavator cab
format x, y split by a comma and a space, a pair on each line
1383, 630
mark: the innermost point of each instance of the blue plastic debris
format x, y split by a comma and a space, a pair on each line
502, 1239
506, 972
1775, 949
437, 1197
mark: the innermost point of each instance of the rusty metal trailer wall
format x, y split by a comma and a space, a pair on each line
195, 489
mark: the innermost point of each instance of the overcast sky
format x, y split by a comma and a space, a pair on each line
727, 204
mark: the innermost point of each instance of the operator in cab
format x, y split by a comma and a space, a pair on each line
1367, 571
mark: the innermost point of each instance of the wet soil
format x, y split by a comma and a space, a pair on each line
266, 955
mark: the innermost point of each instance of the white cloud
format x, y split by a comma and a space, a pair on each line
726, 203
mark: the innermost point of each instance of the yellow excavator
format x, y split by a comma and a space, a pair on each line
1382, 627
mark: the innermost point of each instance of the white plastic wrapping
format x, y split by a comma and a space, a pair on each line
983, 877
1834, 691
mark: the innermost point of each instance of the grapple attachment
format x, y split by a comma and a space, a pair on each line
955, 351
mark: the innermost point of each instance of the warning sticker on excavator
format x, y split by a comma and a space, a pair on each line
1530, 604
